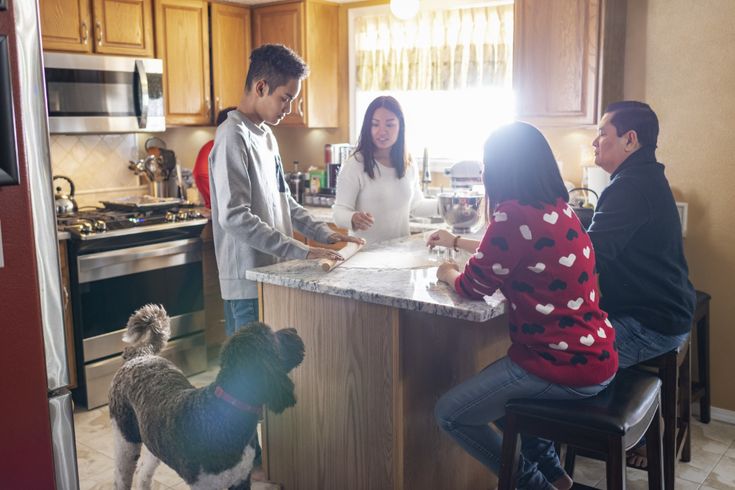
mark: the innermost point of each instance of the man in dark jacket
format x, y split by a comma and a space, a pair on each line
637, 237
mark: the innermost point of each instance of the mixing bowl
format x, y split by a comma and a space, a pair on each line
462, 211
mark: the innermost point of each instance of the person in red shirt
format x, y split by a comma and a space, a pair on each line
201, 165
538, 254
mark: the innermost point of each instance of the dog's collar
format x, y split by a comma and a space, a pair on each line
220, 393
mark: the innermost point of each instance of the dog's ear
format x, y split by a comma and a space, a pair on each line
291, 348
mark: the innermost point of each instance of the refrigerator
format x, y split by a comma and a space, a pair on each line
37, 447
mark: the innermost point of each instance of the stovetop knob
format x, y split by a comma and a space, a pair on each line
170, 216
182, 215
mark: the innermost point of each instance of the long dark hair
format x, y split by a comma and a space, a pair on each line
399, 158
519, 164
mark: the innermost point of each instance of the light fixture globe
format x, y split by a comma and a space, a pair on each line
404, 9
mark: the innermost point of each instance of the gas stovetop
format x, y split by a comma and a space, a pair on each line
102, 223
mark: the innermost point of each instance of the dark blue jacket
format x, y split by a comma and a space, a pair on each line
640, 255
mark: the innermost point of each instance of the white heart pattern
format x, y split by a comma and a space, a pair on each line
607, 322
500, 216
592, 295
538, 268
586, 252
574, 304
500, 270
479, 255
601, 333
513, 305
587, 340
551, 217
560, 346
567, 261
526, 232
545, 309
568, 211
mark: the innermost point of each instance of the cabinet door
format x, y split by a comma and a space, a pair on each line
123, 27
283, 24
66, 25
556, 54
230, 54
68, 317
182, 41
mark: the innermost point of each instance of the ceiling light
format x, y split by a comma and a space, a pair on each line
404, 9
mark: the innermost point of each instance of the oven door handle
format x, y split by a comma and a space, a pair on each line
121, 262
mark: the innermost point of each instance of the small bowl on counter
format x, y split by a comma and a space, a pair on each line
461, 210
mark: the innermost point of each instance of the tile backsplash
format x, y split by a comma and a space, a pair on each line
97, 164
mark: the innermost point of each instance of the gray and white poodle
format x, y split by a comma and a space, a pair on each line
204, 434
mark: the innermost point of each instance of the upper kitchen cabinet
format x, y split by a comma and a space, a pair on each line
123, 27
310, 28
230, 54
182, 41
568, 59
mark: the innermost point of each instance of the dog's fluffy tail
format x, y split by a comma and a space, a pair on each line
148, 331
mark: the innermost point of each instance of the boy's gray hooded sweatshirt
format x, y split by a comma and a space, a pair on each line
253, 213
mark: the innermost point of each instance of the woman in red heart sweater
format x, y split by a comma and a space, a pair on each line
539, 256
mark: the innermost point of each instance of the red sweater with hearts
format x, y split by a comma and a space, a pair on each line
542, 260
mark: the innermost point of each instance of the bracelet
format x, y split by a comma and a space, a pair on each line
454, 245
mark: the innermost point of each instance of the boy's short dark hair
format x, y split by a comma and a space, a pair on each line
629, 115
276, 64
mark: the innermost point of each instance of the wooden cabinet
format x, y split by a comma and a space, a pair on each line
68, 317
310, 28
230, 54
123, 27
568, 58
182, 41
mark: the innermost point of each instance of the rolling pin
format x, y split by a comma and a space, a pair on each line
347, 251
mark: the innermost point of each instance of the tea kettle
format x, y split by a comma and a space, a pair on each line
65, 204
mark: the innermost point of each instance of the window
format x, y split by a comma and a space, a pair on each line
450, 68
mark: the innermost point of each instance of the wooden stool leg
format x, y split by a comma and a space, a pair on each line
669, 401
616, 464
703, 364
510, 455
654, 452
685, 414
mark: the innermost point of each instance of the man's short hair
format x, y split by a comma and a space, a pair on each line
276, 64
628, 115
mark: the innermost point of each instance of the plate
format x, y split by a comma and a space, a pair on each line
142, 203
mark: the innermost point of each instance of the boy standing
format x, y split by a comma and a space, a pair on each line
253, 213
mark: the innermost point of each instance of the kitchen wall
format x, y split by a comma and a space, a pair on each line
680, 58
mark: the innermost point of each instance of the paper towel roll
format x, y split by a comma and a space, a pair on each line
347, 251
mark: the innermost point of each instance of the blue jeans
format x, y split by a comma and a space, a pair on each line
238, 313
465, 411
636, 343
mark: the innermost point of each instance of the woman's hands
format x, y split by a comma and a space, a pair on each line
448, 272
341, 237
323, 253
362, 220
440, 238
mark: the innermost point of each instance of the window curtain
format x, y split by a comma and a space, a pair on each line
436, 50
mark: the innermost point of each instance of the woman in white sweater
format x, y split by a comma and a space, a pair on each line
377, 187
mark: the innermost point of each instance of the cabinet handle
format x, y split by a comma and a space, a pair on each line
85, 32
300, 107
65, 290
218, 103
98, 28
207, 107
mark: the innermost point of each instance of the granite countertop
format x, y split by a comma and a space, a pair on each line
324, 215
403, 276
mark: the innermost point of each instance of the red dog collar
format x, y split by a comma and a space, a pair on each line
240, 405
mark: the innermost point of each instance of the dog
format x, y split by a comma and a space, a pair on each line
204, 434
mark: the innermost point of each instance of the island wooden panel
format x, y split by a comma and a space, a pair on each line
366, 394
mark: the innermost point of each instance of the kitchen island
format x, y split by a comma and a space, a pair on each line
383, 342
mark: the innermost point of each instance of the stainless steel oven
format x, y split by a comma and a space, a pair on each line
115, 273
103, 94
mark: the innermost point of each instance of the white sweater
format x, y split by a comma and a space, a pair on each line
389, 199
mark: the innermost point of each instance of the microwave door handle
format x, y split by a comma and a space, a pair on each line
143, 86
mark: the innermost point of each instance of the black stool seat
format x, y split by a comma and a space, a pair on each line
608, 424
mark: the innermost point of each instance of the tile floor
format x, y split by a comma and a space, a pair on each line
712, 466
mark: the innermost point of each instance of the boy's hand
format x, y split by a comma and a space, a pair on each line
341, 237
323, 253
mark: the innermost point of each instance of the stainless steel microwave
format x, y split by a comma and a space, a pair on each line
103, 94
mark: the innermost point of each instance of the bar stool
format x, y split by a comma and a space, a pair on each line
700, 388
674, 370
607, 424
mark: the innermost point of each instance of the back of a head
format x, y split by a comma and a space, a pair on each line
519, 164
222, 116
627, 115
276, 64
